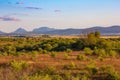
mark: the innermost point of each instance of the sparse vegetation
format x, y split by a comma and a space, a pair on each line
36, 58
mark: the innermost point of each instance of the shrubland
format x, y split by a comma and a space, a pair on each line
48, 58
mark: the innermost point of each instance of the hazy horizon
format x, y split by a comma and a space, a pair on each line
60, 14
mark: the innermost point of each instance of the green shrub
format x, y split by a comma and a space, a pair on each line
101, 58
102, 53
91, 68
66, 55
113, 76
81, 57
84, 77
40, 50
110, 72
67, 76
107, 69
72, 65
38, 77
69, 51
45, 52
34, 52
57, 77
112, 53
87, 51
53, 54
18, 65
49, 70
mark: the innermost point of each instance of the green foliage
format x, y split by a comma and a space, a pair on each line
18, 65
57, 77
113, 76
72, 65
49, 70
40, 50
111, 73
100, 52
87, 51
45, 52
92, 69
69, 51
47, 47
81, 57
66, 55
112, 53
53, 54
39, 77
12, 46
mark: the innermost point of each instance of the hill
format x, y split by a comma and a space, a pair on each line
111, 30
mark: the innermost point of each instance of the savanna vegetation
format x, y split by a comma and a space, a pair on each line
48, 58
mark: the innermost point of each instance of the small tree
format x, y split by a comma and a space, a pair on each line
87, 51
112, 53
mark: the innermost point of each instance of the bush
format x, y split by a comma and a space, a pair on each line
113, 76
47, 47
40, 50
69, 51
72, 65
81, 57
66, 56
111, 73
38, 77
102, 53
87, 51
18, 65
49, 70
45, 52
57, 77
112, 53
101, 58
53, 54
92, 69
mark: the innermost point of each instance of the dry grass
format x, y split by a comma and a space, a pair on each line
44, 60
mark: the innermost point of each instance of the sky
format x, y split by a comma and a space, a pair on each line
60, 14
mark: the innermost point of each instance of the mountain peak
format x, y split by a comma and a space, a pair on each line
2, 32
43, 29
20, 30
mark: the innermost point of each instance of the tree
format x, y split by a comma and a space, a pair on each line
97, 34
47, 47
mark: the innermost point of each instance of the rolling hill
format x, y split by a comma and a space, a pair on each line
112, 30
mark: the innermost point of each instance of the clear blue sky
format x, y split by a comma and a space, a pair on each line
30, 14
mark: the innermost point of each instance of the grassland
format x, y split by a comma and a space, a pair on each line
38, 58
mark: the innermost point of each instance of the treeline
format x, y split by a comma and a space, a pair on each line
31, 44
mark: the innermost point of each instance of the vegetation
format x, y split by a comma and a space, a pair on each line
47, 58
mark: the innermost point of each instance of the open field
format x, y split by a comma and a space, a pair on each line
58, 65
44, 60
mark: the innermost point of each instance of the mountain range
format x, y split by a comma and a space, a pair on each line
111, 30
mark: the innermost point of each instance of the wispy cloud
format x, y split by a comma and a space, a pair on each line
4, 18
20, 14
33, 8
19, 3
57, 11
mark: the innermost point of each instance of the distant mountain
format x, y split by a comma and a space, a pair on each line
64, 32
2, 32
42, 30
112, 30
106, 30
20, 30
